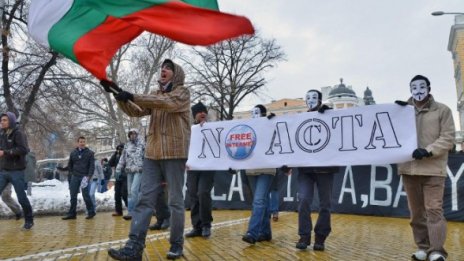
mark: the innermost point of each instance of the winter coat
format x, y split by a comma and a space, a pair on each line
169, 131
255, 172
318, 170
31, 167
81, 163
14, 145
132, 157
435, 133
107, 171
98, 172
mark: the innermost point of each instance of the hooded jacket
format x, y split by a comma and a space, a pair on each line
14, 145
169, 131
435, 133
132, 156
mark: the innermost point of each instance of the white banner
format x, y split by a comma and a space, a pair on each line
368, 135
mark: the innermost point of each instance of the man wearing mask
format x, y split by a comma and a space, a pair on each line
424, 177
308, 178
199, 185
165, 157
13, 150
81, 168
131, 161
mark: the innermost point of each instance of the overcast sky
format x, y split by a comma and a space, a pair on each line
380, 44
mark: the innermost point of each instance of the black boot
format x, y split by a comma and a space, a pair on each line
303, 243
319, 243
130, 252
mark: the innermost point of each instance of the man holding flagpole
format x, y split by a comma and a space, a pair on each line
165, 157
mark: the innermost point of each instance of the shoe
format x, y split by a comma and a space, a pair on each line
435, 256
90, 216
18, 216
303, 243
249, 239
206, 232
129, 252
116, 214
28, 225
275, 216
67, 217
419, 255
194, 233
127, 217
262, 238
165, 224
157, 225
174, 252
319, 243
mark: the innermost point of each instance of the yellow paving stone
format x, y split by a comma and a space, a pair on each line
353, 238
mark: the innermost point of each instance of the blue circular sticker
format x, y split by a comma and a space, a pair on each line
240, 142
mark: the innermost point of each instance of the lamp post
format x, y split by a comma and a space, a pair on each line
438, 13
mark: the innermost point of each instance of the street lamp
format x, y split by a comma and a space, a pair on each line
438, 13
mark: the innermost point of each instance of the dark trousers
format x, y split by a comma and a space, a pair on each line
161, 206
74, 187
120, 194
16, 178
306, 183
199, 185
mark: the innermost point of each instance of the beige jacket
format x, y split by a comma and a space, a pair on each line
255, 172
435, 133
169, 131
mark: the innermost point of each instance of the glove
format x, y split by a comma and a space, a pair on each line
107, 85
285, 169
270, 116
124, 96
231, 171
401, 103
84, 182
323, 108
420, 153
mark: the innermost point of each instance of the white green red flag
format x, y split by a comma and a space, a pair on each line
91, 31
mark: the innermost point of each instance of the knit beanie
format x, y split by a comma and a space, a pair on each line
199, 107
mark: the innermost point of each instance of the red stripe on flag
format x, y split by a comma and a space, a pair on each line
176, 20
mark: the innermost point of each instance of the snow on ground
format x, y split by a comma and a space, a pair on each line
51, 197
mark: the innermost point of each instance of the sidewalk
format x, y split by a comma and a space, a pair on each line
353, 238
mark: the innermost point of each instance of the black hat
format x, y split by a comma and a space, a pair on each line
169, 63
199, 107
120, 146
420, 77
262, 109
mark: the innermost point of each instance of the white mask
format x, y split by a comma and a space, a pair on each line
312, 99
419, 90
255, 112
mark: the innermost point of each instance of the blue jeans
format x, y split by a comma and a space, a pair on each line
324, 183
16, 178
74, 187
94, 184
153, 174
104, 187
259, 224
133, 189
274, 201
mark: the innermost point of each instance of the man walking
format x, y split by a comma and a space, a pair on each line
13, 150
424, 177
165, 157
81, 167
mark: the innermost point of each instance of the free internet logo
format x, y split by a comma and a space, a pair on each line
240, 142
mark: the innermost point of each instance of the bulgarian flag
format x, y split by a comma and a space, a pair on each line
89, 32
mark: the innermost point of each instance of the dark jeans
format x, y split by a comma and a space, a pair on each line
16, 178
120, 194
161, 206
306, 182
153, 174
75, 185
199, 185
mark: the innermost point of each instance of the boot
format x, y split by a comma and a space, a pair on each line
303, 243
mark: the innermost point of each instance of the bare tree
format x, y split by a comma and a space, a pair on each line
227, 72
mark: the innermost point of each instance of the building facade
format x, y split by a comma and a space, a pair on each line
456, 47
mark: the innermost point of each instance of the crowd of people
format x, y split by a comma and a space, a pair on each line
149, 175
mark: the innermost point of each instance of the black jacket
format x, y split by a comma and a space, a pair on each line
81, 163
325, 170
14, 145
